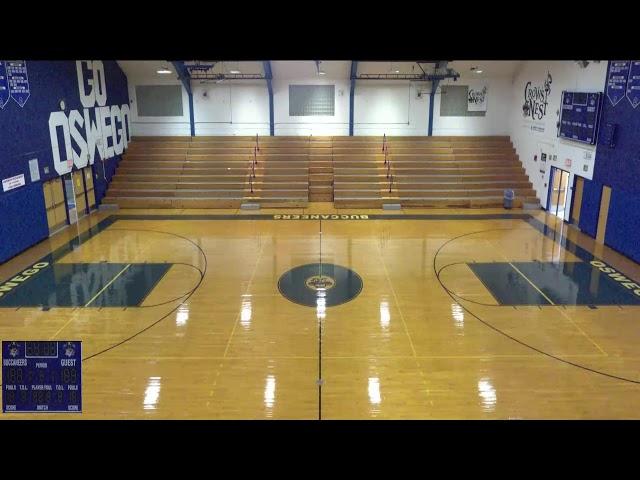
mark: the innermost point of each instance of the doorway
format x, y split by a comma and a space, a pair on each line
558, 188
70, 196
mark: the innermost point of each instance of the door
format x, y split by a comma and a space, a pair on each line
558, 192
55, 204
70, 196
576, 204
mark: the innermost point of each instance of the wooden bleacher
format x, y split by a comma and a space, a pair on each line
212, 172
428, 172
218, 172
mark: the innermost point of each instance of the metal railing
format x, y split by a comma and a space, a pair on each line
387, 161
252, 170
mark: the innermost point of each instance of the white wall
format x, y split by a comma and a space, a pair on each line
142, 126
287, 73
231, 108
391, 108
532, 137
494, 122
394, 108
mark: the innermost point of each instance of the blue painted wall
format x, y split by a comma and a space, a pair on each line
20, 230
24, 135
590, 206
618, 168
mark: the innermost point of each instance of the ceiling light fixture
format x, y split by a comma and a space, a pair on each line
164, 71
478, 71
234, 72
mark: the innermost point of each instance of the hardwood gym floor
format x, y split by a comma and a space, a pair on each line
470, 314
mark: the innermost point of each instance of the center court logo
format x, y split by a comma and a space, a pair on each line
334, 284
320, 282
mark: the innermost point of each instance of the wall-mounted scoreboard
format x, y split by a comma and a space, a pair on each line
579, 116
41, 376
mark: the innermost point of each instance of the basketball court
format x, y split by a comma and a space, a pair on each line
318, 240
413, 314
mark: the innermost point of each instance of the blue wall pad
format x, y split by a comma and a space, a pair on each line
23, 220
590, 207
623, 224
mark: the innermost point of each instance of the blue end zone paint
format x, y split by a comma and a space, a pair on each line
506, 285
76, 284
564, 283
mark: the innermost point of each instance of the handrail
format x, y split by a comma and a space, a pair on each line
255, 155
387, 161
390, 183
384, 141
252, 174
257, 142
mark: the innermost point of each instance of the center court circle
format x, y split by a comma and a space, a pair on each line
306, 283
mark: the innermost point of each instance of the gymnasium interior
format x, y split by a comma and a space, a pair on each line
320, 239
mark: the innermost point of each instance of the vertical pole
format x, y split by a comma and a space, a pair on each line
352, 93
271, 120
432, 98
191, 116
268, 75
185, 78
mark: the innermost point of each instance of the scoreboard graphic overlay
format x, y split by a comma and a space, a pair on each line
579, 116
41, 376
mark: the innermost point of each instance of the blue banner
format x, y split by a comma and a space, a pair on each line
18, 81
633, 84
4, 84
617, 80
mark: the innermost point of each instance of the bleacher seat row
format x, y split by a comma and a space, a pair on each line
224, 172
